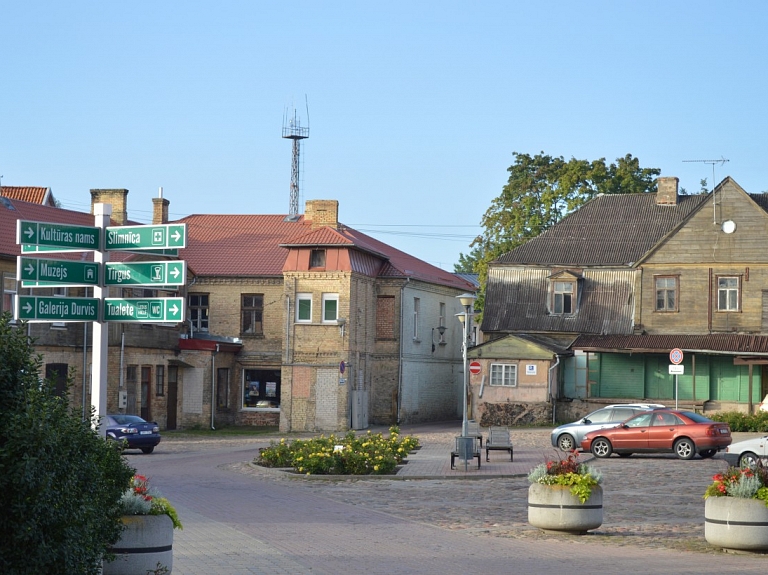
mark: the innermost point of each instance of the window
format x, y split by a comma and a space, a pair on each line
666, 293
330, 307
317, 259
222, 387
131, 374
304, 307
728, 294
416, 304
261, 388
252, 307
198, 311
58, 372
562, 300
159, 380
146, 385
441, 322
504, 374
9, 290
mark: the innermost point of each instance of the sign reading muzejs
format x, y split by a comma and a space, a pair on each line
145, 310
54, 235
173, 273
149, 237
50, 308
55, 272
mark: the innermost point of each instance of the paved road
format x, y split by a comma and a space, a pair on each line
240, 519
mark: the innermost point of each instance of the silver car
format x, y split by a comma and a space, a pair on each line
568, 436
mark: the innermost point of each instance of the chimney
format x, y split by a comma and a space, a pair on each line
118, 198
160, 209
666, 193
322, 213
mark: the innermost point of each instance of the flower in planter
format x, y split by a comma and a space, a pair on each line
581, 478
140, 499
746, 483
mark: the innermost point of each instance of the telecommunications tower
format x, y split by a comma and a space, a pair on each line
292, 130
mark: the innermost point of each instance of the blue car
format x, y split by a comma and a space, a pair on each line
137, 433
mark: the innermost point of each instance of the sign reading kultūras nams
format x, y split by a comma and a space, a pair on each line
145, 310
53, 235
52, 308
155, 237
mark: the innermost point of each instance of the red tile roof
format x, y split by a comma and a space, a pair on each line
32, 194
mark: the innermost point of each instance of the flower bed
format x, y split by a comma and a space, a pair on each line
581, 478
369, 454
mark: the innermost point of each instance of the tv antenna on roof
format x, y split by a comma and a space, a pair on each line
721, 161
292, 130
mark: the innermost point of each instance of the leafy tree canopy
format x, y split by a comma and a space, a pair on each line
541, 190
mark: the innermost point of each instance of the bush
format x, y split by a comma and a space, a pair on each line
369, 454
739, 421
60, 482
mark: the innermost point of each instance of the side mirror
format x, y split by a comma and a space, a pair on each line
586, 421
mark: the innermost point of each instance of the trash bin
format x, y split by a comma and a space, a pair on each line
465, 447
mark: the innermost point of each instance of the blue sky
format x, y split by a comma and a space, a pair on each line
415, 108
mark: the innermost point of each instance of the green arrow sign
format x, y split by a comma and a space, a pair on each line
40, 308
55, 235
145, 310
146, 237
59, 272
146, 273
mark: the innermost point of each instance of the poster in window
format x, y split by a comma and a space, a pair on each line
253, 388
271, 389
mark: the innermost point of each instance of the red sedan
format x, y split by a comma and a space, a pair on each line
660, 431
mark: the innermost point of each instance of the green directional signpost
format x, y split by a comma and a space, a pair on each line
150, 237
42, 308
144, 310
166, 273
53, 235
56, 272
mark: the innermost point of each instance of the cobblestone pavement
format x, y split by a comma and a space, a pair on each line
650, 501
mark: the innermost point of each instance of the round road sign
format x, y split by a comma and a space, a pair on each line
475, 367
676, 356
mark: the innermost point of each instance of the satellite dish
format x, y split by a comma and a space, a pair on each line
729, 226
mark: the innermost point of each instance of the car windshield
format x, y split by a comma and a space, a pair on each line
127, 419
696, 417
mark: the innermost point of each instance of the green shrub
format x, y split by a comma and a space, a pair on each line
738, 421
60, 482
369, 454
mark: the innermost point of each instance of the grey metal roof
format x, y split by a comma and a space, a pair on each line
608, 230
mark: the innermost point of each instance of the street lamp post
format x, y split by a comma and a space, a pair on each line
467, 300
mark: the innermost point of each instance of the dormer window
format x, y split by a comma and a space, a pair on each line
317, 259
563, 293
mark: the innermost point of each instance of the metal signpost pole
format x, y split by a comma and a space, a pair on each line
102, 212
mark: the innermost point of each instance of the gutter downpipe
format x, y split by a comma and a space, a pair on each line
552, 395
122, 359
213, 385
402, 340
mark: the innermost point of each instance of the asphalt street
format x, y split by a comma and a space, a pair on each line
242, 519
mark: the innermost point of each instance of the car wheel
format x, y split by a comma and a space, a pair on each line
749, 459
685, 449
148, 449
707, 453
601, 447
566, 442
624, 454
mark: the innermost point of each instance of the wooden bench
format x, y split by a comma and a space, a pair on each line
473, 430
457, 451
499, 440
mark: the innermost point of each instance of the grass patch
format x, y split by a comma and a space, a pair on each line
229, 431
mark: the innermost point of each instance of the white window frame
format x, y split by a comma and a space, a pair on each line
728, 291
300, 297
416, 305
503, 375
10, 289
563, 293
441, 323
328, 297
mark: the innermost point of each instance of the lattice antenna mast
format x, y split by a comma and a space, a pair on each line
292, 130
721, 161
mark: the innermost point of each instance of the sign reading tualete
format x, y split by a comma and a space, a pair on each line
146, 237
145, 310
57, 235
41, 308
56, 272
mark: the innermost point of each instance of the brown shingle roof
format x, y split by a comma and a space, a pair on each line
734, 343
608, 230
32, 194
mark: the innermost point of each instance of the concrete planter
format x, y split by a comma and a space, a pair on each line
553, 508
146, 541
736, 523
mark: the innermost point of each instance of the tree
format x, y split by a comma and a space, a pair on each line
541, 190
60, 482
